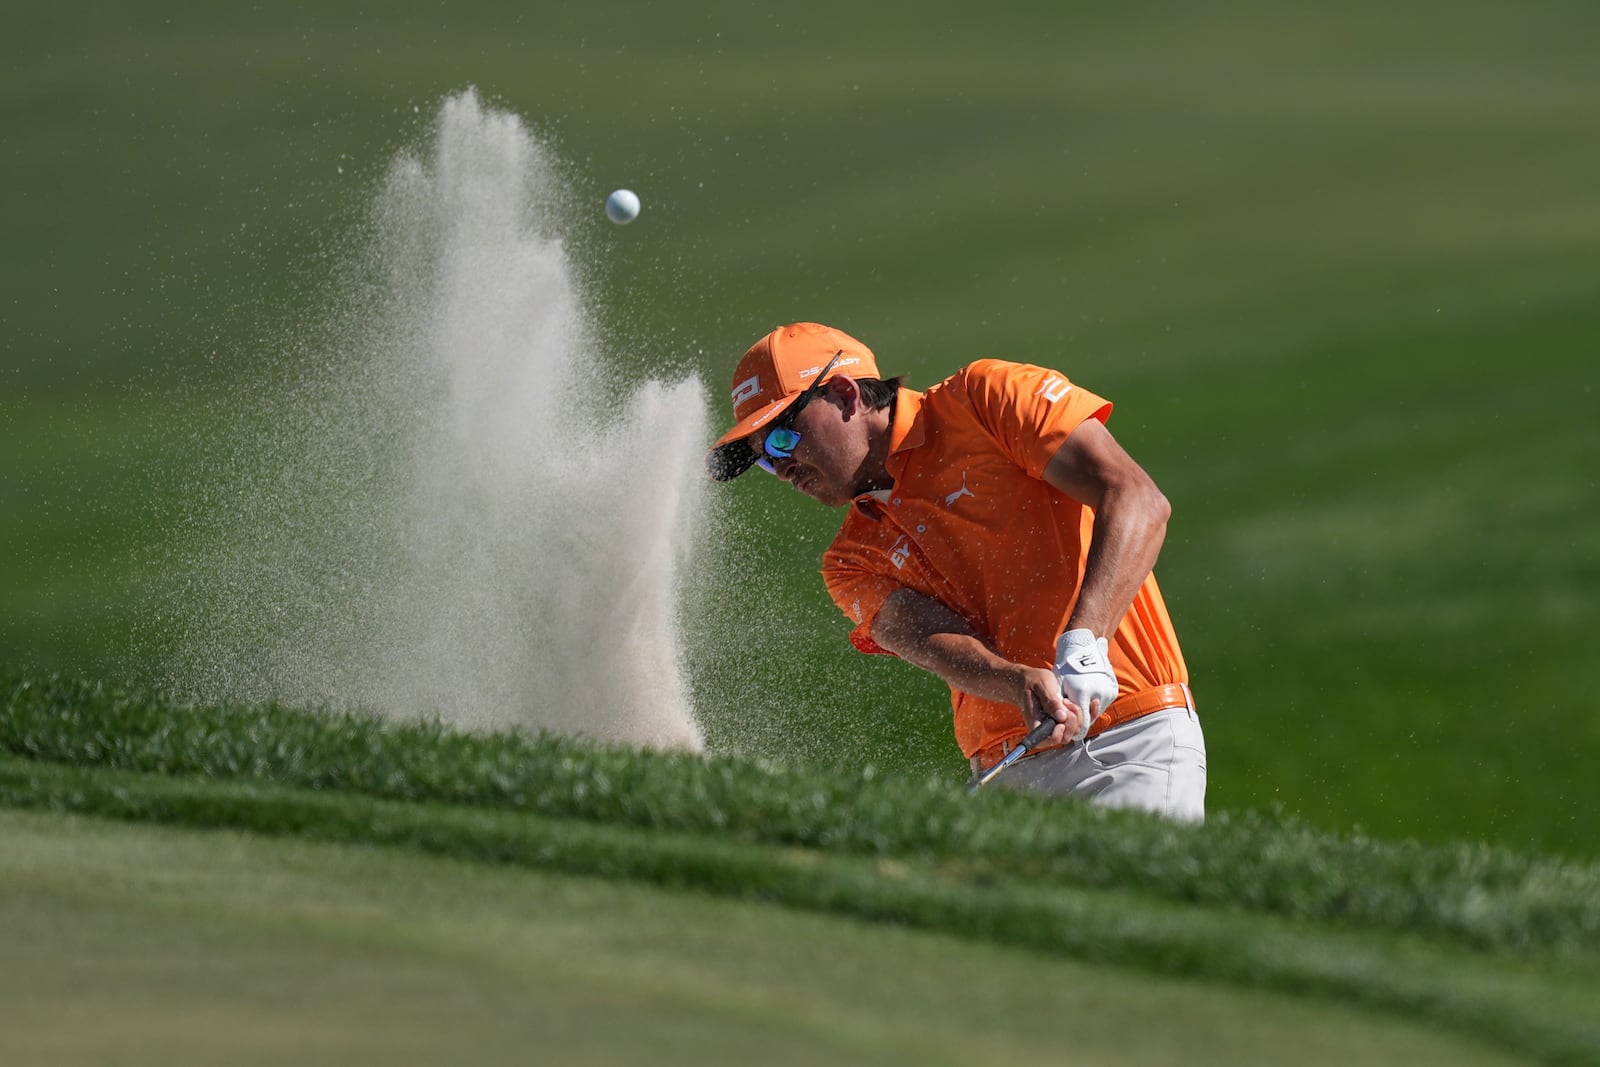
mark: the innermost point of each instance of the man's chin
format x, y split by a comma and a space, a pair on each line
833, 499
822, 494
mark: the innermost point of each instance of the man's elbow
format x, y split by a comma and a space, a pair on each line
1160, 507
1153, 509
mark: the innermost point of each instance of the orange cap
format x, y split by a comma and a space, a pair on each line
772, 373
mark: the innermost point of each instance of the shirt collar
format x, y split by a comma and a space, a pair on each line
906, 431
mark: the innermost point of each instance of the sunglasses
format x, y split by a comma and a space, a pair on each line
782, 439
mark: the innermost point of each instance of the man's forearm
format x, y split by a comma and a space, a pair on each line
1129, 528
924, 632
927, 634
1130, 522
964, 663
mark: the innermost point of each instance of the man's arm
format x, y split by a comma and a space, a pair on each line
924, 632
1130, 523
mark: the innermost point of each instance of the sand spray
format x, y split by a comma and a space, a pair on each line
450, 508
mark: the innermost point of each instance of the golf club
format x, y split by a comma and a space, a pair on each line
1037, 736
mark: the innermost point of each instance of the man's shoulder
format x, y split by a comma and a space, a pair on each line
978, 382
986, 374
990, 366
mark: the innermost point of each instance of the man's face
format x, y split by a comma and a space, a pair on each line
826, 460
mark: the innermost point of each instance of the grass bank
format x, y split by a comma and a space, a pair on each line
181, 947
1498, 945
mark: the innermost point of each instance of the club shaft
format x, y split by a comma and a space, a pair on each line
1037, 736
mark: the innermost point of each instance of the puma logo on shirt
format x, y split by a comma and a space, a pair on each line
959, 493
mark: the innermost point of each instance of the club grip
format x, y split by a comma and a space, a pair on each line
1040, 733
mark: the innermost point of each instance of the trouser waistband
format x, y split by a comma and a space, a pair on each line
1123, 709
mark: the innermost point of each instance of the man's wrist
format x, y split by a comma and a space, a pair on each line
1084, 670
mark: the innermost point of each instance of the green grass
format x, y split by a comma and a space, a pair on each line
1334, 266
1476, 894
1492, 944
129, 943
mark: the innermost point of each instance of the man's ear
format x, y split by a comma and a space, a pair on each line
845, 395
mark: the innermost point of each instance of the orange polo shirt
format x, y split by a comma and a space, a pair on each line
971, 523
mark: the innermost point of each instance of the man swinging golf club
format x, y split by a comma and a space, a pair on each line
998, 536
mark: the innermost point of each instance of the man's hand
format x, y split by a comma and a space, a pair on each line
1085, 675
1039, 696
922, 631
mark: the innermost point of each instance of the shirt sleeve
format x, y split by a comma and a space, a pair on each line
1029, 411
859, 592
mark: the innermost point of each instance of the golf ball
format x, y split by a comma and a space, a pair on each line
622, 206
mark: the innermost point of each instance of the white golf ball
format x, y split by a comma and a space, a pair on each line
622, 206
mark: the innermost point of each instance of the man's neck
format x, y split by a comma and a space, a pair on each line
875, 468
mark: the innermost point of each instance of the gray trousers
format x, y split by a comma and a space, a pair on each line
1155, 763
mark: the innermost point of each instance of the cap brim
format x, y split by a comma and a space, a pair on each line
732, 455
728, 461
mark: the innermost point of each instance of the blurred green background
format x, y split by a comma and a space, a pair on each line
1335, 265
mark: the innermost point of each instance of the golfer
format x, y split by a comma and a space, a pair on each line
998, 536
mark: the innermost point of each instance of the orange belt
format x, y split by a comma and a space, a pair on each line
1123, 709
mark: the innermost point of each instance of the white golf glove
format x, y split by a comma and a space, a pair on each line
1085, 674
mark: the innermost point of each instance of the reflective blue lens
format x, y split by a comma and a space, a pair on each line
780, 443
